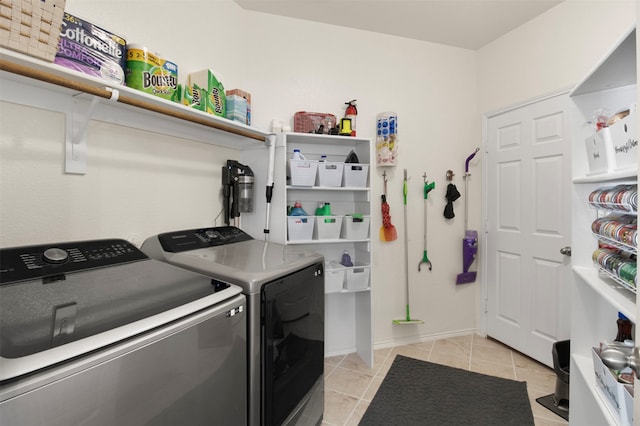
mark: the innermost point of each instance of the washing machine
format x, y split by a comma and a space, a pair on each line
96, 333
284, 287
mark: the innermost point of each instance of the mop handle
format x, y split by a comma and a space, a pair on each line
466, 201
469, 158
406, 243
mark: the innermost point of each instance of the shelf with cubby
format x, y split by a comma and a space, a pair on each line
598, 297
348, 312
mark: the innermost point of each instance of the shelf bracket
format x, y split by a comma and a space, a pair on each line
76, 135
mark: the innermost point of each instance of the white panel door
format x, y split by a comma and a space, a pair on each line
528, 222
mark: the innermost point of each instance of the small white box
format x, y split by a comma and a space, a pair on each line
355, 227
617, 396
355, 175
624, 138
328, 227
302, 172
300, 228
600, 151
330, 173
357, 277
333, 277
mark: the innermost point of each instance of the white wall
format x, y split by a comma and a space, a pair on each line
315, 67
140, 183
553, 51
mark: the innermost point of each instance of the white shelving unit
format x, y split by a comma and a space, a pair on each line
348, 323
596, 299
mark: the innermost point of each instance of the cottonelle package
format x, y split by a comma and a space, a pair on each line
87, 48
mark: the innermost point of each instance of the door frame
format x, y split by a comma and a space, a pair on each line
482, 319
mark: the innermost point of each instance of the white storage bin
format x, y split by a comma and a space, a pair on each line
357, 277
333, 277
302, 172
328, 227
330, 173
624, 138
300, 228
617, 396
355, 227
600, 151
355, 175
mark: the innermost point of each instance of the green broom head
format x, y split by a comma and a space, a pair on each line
408, 319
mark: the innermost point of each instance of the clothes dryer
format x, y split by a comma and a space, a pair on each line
284, 286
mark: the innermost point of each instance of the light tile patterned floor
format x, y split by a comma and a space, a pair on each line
350, 385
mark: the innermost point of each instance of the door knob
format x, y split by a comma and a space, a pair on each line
566, 250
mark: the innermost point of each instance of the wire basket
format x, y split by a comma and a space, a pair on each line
31, 26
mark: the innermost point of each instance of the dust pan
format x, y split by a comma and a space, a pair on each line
408, 319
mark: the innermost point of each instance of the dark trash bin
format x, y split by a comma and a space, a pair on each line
561, 353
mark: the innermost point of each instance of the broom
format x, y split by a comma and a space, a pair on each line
407, 319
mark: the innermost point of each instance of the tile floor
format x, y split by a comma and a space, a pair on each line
350, 385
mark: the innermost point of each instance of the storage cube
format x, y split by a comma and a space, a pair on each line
333, 277
355, 227
330, 173
300, 228
616, 395
328, 227
357, 277
600, 151
355, 175
302, 172
624, 138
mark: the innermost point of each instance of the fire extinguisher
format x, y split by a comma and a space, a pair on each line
351, 113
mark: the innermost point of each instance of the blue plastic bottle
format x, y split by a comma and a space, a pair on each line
346, 260
297, 155
297, 210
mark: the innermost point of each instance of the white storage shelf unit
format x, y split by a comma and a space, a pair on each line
596, 298
348, 322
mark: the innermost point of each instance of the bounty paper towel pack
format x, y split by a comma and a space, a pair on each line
194, 97
216, 98
92, 50
149, 73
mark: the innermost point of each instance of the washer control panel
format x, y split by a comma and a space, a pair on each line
31, 262
192, 239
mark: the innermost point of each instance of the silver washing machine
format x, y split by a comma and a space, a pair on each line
284, 286
96, 333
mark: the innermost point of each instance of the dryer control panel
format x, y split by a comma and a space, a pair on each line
47, 260
193, 239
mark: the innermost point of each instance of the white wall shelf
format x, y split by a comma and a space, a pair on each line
607, 177
597, 413
32, 82
597, 299
327, 188
348, 313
